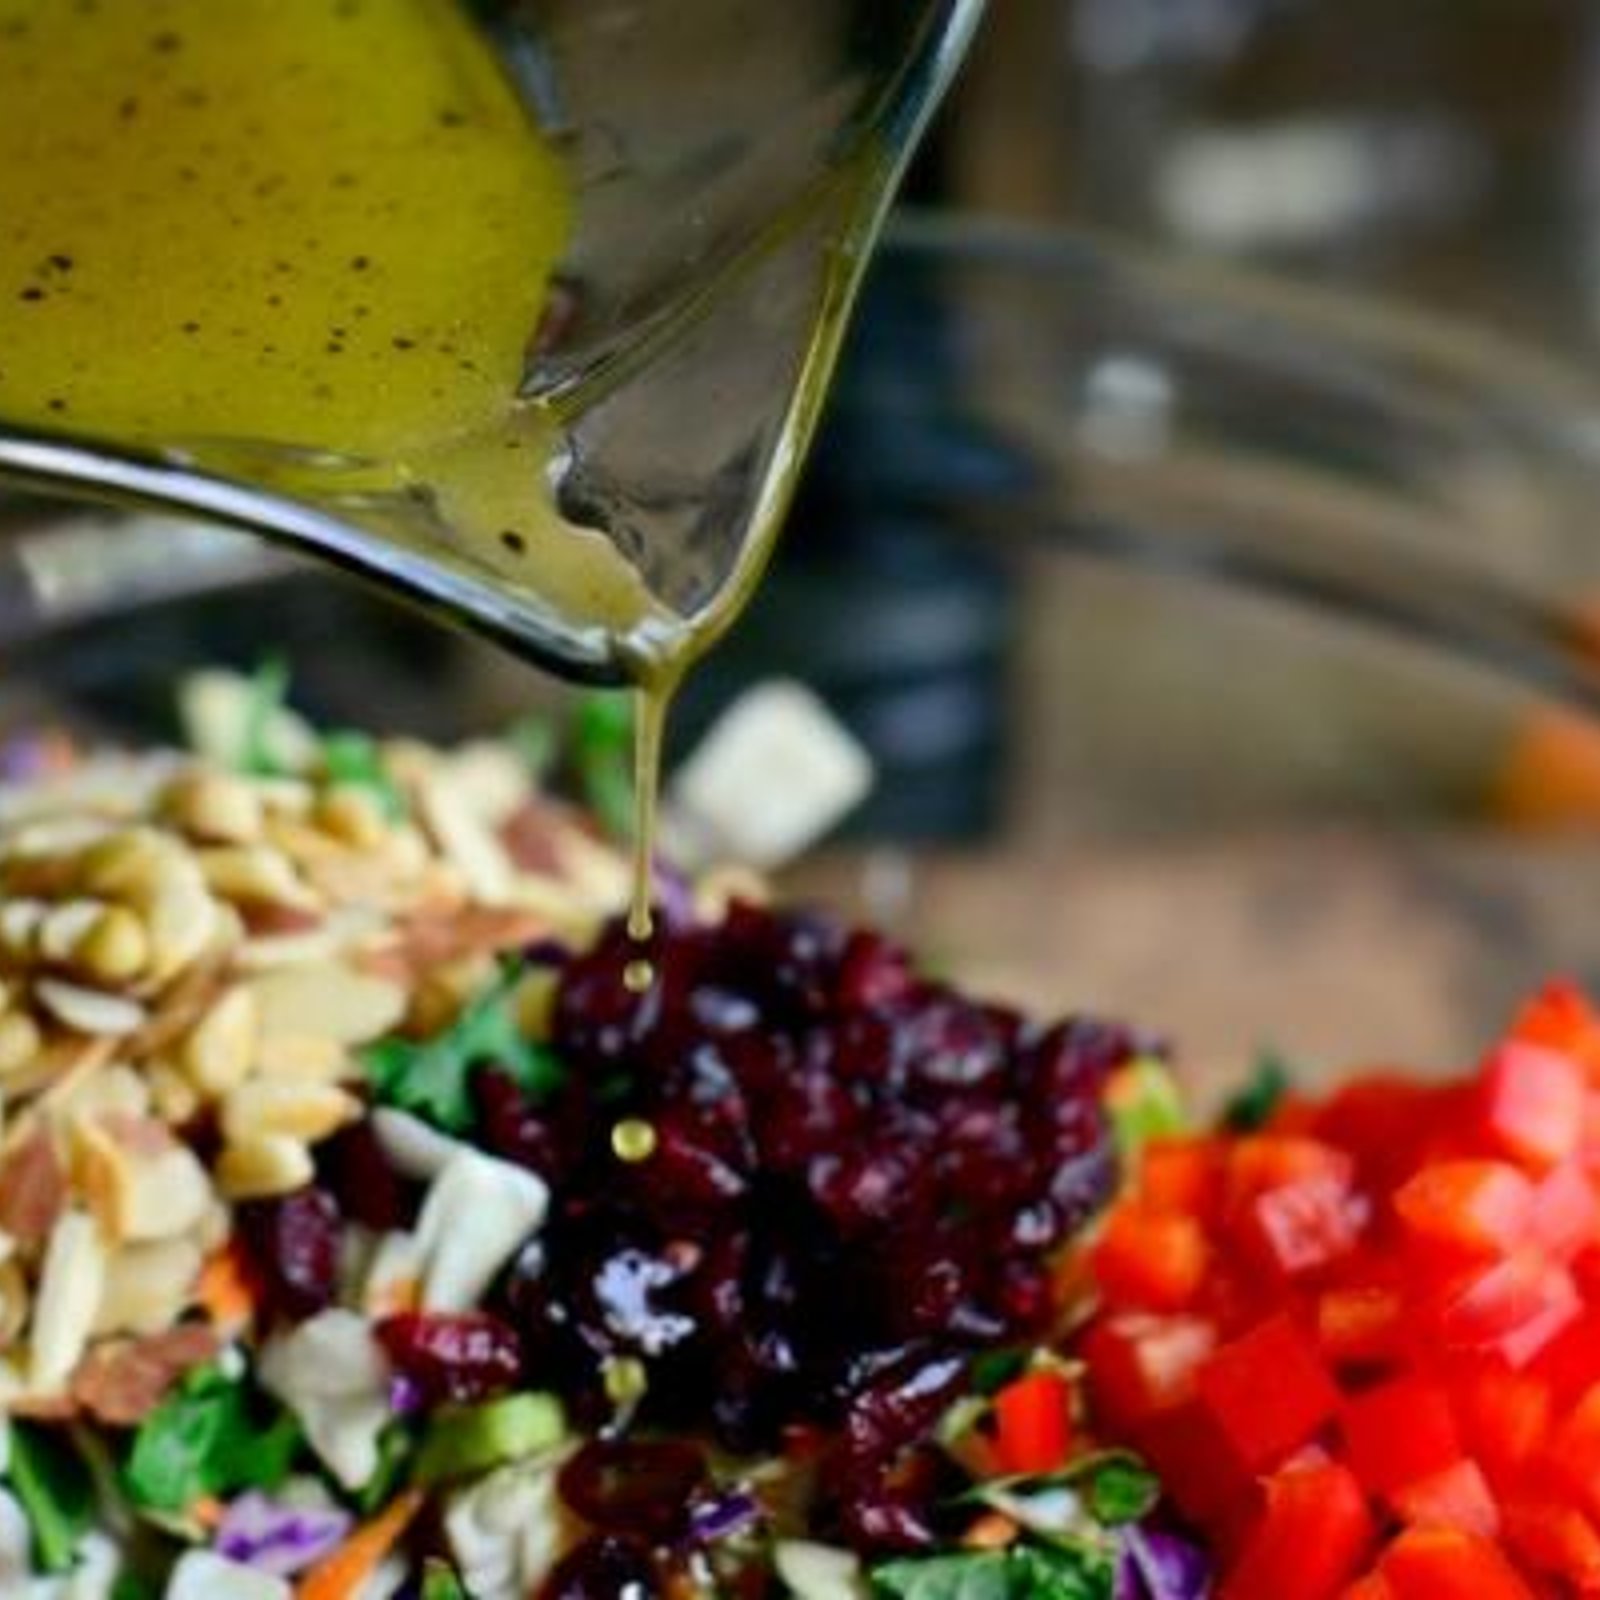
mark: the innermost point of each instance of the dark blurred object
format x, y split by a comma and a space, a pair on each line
1439, 149
901, 626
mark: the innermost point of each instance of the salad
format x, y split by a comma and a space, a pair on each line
362, 1232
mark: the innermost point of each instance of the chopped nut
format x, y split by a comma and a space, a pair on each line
304, 1112
217, 1052
114, 949
20, 1042
217, 807
33, 1190
140, 1182
90, 1011
123, 1382
352, 817
70, 1286
333, 1000
173, 1096
255, 872
303, 1058
149, 1286
263, 1167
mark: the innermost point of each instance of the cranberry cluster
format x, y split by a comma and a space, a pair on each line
853, 1178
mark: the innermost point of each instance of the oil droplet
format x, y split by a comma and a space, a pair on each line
633, 1140
638, 975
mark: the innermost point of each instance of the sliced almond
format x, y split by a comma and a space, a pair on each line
14, 1303
217, 1053
466, 838
263, 1167
149, 1286
115, 949
20, 921
255, 872
70, 1287
20, 1042
218, 807
334, 1000
159, 1191
267, 1107
174, 1098
65, 926
303, 1058
90, 1011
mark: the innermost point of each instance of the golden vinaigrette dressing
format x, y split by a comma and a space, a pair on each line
324, 227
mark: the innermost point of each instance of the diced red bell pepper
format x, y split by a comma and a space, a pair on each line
1446, 1564
1514, 1308
1459, 1497
1573, 1453
1504, 1415
1569, 1363
1311, 1541
1566, 1213
1560, 1017
1268, 1392
1263, 1161
1149, 1260
1362, 1324
1206, 1482
1374, 1586
1033, 1423
1300, 1227
1139, 1366
1183, 1176
1379, 1120
1555, 1539
1398, 1433
1533, 1102
1466, 1209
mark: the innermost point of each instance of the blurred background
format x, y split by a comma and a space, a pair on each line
1204, 537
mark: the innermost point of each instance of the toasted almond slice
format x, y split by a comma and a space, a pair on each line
141, 1188
14, 1302
115, 949
90, 1011
255, 872
20, 1042
20, 921
65, 926
218, 807
305, 1112
149, 1286
303, 1058
71, 1283
334, 1000
263, 1167
466, 838
216, 1054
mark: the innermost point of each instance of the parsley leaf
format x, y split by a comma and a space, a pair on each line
1120, 1489
205, 1439
55, 1492
352, 760
1022, 1572
1252, 1107
439, 1581
432, 1078
602, 758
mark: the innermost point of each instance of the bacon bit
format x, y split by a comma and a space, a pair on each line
33, 1191
992, 1531
122, 1381
224, 1292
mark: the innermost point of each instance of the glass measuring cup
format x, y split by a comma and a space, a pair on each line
732, 160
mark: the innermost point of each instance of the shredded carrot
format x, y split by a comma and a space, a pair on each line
992, 1531
207, 1511
340, 1575
224, 1291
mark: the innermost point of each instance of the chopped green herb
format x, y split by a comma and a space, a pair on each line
1252, 1107
269, 689
468, 1440
206, 1439
439, 1581
602, 758
1022, 1572
353, 760
55, 1491
992, 1370
395, 1445
135, 1586
1120, 1489
432, 1078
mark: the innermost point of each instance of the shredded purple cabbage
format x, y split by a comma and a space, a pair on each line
282, 1540
406, 1397
710, 1520
1158, 1565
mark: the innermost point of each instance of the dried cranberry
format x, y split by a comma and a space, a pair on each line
354, 1167
292, 1247
640, 1486
460, 1358
610, 1567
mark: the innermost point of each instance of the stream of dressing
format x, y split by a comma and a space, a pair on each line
308, 241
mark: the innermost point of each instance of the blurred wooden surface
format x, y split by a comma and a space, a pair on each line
1340, 950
